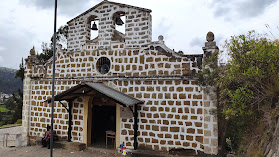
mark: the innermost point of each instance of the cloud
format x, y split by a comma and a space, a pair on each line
17, 44
65, 7
1, 60
2, 48
240, 8
161, 28
197, 41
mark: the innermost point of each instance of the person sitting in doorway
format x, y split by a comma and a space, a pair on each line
46, 138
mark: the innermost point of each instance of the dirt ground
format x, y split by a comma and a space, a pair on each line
38, 151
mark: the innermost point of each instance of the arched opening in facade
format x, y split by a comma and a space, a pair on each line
93, 28
119, 20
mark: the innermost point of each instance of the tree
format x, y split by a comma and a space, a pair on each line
18, 101
47, 52
248, 88
47, 49
20, 72
11, 112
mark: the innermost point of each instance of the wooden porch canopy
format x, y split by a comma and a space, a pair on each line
98, 90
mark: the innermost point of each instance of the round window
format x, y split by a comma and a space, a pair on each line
103, 65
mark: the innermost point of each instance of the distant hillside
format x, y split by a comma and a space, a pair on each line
8, 82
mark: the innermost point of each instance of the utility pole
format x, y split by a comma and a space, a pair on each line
53, 78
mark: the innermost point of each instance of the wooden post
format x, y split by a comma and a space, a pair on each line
135, 126
70, 121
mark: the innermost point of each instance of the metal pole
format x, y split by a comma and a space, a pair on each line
53, 78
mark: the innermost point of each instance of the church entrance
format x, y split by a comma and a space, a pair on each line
103, 128
103, 121
101, 113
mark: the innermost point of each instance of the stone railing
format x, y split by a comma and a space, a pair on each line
10, 140
11, 136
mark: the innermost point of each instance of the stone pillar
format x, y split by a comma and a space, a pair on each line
26, 109
18, 140
210, 139
27, 84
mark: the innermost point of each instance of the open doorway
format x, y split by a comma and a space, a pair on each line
103, 119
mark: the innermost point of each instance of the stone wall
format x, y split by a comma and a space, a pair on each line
124, 63
138, 26
176, 113
37, 112
172, 116
77, 120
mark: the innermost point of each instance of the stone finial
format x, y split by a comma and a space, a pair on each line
210, 36
59, 47
210, 46
32, 51
161, 38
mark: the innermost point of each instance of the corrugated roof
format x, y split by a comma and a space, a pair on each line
105, 1
99, 90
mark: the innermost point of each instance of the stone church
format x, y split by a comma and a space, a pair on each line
125, 83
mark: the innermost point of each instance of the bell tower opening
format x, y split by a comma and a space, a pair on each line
94, 32
93, 26
119, 20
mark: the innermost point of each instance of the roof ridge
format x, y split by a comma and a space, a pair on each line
115, 3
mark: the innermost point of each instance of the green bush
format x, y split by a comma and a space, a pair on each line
19, 121
247, 86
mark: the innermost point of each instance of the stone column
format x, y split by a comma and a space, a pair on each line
210, 104
210, 139
18, 140
27, 84
26, 109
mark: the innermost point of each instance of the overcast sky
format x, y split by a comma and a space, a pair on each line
183, 23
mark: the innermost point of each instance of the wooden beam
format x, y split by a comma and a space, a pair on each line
64, 106
83, 94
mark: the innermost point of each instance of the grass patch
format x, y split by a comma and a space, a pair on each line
9, 125
18, 122
3, 109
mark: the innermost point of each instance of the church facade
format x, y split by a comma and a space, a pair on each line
121, 82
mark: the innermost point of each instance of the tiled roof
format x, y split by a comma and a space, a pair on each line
109, 2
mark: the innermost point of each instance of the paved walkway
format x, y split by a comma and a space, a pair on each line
35, 151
